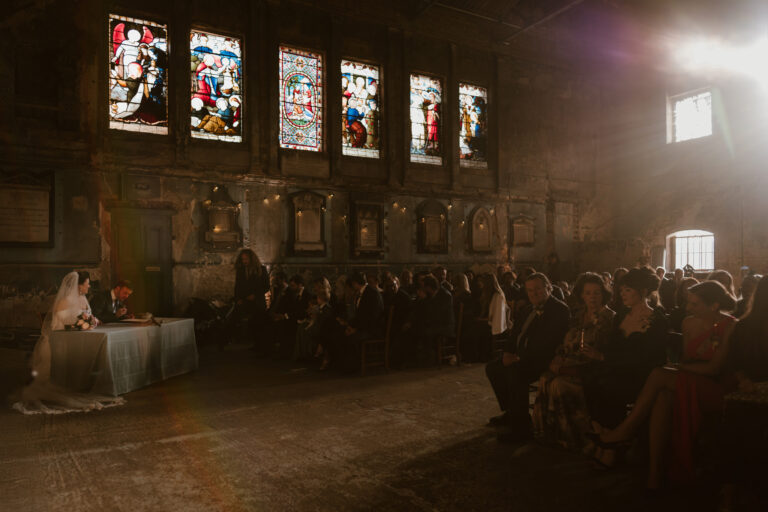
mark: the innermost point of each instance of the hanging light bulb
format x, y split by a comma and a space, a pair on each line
277, 196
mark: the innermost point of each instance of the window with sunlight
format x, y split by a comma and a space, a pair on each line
690, 116
693, 247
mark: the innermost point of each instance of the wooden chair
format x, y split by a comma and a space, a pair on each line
455, 345
380, 347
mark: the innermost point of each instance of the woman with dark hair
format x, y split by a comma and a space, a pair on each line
560, 413
251, 286
636, 347
675, 399
678, 314
725, 278
616, 304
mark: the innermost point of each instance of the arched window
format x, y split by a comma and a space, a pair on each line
692, 247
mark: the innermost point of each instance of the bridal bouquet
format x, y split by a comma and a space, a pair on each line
84, 322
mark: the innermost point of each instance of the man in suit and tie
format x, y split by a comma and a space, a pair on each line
109, 305
538, 329
366, 323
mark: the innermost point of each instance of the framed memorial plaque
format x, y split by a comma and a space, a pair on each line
308, 237
367, 229
26, 209
432, 229
481, 232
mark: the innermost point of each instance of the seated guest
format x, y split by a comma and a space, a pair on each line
678, 314
406, 283
109, 306
366, 322
743, 443
319, 328
280, 303
437, 320
748, 285
372, 279
531, 346
725, 278
676, 399
510, 288
560, 414
470, 328
494, 311
636, 347
395, 297
441, 274
296, 312
667, 289
616, 303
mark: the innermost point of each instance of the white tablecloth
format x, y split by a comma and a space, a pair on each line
116, 358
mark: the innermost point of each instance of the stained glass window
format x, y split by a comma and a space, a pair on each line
473, 126
217, 87
138, 75
360, 109
301, 99
426, 105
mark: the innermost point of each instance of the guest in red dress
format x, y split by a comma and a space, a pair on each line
675, 398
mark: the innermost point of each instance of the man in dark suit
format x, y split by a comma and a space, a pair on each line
109, 306
538, 329
295, 312
395, 297
437, 319
366, 323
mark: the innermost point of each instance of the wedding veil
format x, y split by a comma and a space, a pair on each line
41, 395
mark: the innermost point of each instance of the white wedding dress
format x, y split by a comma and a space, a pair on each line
41, 396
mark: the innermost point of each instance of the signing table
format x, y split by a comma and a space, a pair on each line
116, 358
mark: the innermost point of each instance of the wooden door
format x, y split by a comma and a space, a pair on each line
141, 253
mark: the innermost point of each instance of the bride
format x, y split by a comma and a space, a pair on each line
41, 395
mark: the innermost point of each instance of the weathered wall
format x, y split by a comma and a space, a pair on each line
546, 120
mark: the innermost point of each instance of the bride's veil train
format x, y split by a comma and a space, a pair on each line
42, 396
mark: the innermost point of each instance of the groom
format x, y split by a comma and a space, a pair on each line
108, 306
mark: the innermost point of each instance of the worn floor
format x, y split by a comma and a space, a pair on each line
252, 434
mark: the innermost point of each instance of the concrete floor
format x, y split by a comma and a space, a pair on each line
251, 434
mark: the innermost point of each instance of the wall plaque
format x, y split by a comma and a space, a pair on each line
308, 233
367, 229
432, 229
26, 210
481, 239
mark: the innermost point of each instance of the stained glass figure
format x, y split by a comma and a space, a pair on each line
217, 87
426, 105
360, 109
138, 75
473, 126
301, 99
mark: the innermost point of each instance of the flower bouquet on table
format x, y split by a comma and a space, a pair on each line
84, 322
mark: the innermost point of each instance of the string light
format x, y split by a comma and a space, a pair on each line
277, 196
330, 195
266, 201
402, 209
394, 204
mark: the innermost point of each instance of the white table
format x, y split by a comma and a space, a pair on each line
117, 358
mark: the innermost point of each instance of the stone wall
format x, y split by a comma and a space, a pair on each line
547, 118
